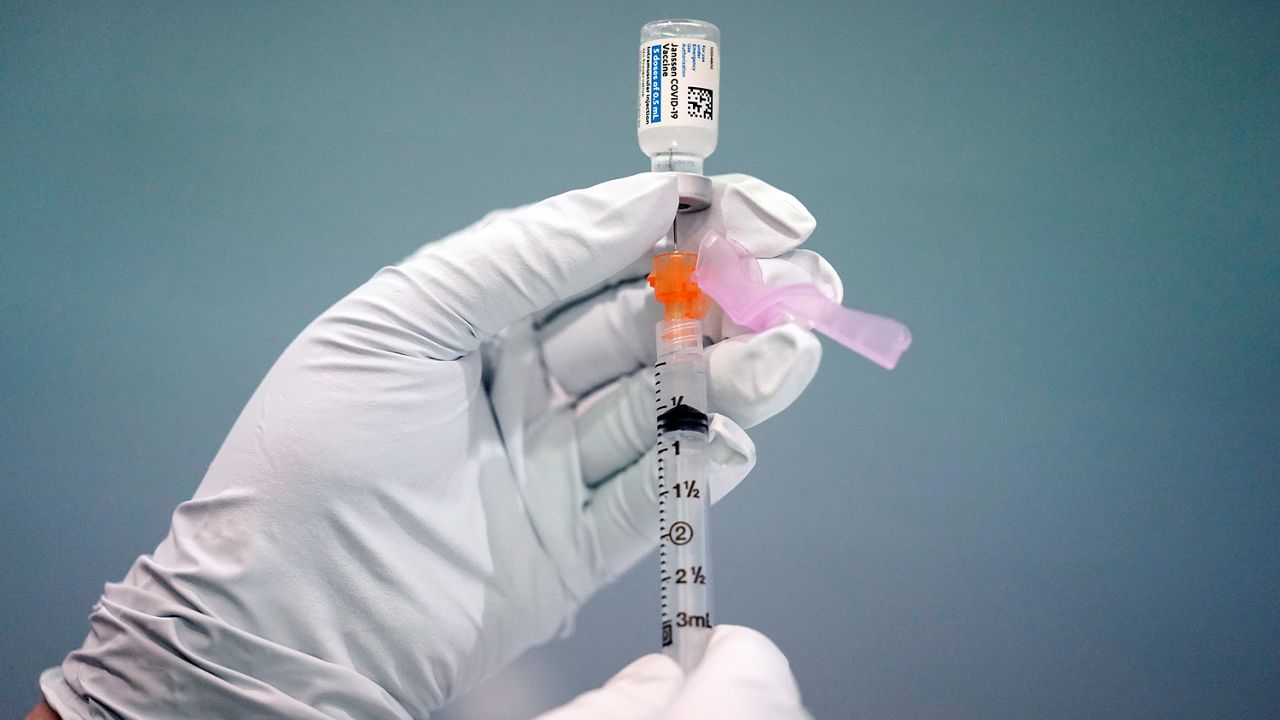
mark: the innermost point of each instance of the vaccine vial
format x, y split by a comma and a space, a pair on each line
678, 118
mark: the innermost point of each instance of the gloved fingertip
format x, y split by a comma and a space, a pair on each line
827, 279
736, 654
731, 455
754, 377
730, 639
800, 353
765, 220
803, 266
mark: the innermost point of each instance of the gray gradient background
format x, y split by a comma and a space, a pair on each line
1062, 504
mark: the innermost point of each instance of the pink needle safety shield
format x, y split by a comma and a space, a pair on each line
731, 276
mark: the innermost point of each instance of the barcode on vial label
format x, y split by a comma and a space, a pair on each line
700, 103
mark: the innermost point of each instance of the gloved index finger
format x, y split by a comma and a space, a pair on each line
758, 216
467, 287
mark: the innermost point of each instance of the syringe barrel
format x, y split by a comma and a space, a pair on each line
683, 493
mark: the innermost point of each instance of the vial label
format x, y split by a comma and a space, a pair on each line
679, 81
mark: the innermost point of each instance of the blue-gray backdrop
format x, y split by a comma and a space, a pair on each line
1062, 504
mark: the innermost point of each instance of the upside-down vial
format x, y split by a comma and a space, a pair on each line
677, 121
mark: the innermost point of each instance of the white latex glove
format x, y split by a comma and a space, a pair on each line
743, 676
419, 490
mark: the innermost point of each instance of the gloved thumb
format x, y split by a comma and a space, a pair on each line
640, 690
462, 290
742, 675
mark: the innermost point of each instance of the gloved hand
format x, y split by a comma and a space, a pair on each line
439, 470
743, 676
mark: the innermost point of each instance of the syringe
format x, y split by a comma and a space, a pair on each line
677, 126
683, 495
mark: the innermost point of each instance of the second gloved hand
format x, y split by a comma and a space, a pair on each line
440, 469
742, 676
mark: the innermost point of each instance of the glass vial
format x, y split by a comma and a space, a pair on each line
677, 121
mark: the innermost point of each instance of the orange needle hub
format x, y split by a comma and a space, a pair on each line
673, 285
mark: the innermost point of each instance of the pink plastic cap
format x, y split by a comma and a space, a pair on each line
731, 276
